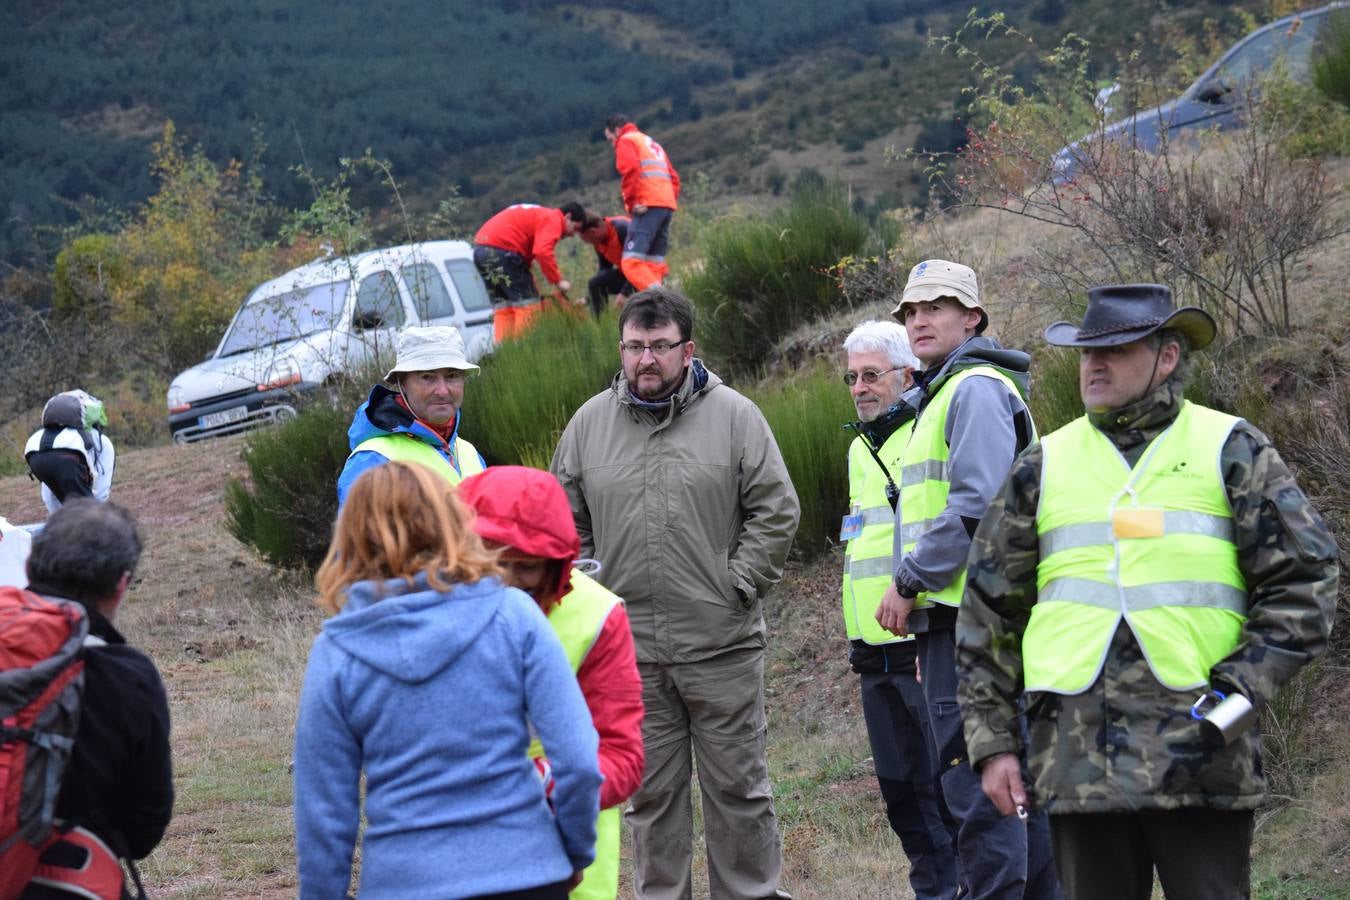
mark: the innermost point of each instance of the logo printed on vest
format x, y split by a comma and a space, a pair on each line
1179, 470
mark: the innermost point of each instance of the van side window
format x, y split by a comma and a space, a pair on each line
429, 296
377, 302
472, 292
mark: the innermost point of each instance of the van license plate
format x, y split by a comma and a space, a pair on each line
224, 417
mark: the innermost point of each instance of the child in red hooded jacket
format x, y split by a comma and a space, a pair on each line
525, 512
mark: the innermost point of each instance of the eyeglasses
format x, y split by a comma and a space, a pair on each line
868, 376
658, 348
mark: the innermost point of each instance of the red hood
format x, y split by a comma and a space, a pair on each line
526, 509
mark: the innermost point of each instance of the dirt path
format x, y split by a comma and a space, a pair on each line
229, 637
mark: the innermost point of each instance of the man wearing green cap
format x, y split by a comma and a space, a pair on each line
1140, 566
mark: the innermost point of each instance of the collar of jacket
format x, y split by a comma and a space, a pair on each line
384, 414
976, 350
697, 381
879, 430
99, 624
1144, 419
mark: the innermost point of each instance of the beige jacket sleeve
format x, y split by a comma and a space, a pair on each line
771, 510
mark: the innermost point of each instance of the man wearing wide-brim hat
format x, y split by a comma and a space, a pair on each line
417, 417
1142, 565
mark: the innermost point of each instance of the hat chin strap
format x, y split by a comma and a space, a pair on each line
1148, 388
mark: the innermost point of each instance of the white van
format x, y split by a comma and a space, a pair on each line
293, 334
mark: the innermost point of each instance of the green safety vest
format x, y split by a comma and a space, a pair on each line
1153, 544
923, 476
577, 621
404, 447
868, 567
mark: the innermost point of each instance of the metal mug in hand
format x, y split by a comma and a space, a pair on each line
1229, 717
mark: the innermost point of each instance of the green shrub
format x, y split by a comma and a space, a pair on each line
517, 407
761, 277
1331, 65
287, 505
1055, 400
807, 416
1310, 123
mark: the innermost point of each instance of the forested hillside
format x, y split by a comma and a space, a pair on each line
499, 101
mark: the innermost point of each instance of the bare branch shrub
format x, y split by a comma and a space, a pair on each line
1223, 225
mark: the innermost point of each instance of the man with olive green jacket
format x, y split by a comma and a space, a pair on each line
680, 492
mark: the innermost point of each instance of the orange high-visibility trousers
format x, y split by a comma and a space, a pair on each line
513, 321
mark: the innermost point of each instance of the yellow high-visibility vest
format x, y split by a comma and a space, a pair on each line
868, 558
409, 448
1153, 544
577, 621
924, 481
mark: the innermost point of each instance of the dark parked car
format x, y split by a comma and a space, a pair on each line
1218, 98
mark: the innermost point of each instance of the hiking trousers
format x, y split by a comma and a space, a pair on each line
1199, 854
1002, 858
714, 708
897, 730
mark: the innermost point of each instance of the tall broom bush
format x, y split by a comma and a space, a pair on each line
529, 388
807, 416
762, 277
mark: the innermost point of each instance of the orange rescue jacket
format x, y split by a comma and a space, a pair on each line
528, 230
611, 248
648, 178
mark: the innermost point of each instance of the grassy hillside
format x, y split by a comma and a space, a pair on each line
501, 101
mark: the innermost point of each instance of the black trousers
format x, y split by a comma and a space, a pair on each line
507, 274
604, 283
64, 472
1199, 854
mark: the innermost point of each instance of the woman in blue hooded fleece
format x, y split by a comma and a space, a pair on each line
428, 679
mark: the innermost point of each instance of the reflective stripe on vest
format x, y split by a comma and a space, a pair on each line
409, 448
577, 620
653, 168
1153, 544
923, 476
868, 567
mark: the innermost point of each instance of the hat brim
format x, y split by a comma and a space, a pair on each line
459, 365
1195, 323
927, 293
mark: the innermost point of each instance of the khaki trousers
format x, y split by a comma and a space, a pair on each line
716, 708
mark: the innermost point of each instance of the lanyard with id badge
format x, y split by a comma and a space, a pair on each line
851, 527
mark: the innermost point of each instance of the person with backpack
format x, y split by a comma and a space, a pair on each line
70, 454
116, 791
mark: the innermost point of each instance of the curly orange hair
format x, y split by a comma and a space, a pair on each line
401, 519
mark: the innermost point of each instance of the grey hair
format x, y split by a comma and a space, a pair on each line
886, 337
84, 549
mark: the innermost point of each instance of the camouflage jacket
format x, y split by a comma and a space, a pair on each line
1128, 742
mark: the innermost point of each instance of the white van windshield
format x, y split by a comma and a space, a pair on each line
283, 317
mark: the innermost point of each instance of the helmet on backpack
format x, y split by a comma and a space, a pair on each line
78, 410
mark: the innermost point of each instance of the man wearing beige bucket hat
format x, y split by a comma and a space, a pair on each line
971, 420
416, 419
1148, 577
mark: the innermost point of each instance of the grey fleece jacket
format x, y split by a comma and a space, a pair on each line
987, 426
